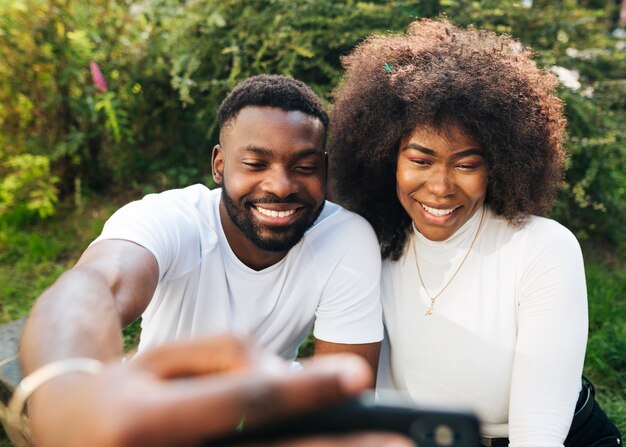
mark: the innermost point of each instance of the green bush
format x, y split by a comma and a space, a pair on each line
168, 64
27, 189
593, 201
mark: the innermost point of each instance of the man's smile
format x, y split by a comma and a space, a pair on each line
272, 213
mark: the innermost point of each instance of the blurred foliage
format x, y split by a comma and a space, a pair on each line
168, 64
27, 188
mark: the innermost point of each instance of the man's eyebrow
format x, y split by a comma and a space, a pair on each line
267, 152
309, 152
257, 150
460, 154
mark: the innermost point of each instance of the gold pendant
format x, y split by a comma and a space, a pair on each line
429, 311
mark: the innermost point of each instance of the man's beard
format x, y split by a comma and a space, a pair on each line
279, 239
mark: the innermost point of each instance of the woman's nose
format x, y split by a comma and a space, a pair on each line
441, 183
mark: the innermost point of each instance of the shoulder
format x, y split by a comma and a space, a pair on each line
543, 232
175, 215
342, 238
194, 195
535, 231
339, 225
540, 244
174, 204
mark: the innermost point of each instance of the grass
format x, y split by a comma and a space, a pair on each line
605, 362
32, 257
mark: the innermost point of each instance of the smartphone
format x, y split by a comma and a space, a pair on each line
425, 427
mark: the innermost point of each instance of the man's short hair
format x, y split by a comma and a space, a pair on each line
277, 91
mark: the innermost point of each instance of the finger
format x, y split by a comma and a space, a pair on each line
354, 372
204, 407
354, 440
298, 393
203, 356
320, 383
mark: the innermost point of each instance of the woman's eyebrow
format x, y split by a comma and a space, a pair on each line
460, 154
420, 148
468, 152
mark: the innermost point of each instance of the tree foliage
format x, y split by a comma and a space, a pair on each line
168, 64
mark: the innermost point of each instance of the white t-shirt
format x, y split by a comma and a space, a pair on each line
506, 338
331, 277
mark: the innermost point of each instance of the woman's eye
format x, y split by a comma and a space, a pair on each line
468, 166
420, 162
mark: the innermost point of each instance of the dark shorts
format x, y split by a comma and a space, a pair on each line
596, 431
590, 428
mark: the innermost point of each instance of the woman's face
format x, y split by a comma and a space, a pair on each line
441, 180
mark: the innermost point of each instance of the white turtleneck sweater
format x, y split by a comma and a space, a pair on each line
506, 338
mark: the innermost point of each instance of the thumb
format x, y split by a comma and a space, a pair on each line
198, 357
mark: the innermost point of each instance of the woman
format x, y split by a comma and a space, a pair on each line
449, 142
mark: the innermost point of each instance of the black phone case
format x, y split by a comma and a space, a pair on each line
426, 427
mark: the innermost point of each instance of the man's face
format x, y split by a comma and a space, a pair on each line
271, 167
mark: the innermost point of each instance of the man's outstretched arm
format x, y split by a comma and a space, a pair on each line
178, 394
83, 312
184, 393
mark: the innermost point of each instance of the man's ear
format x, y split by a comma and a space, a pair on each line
217, 164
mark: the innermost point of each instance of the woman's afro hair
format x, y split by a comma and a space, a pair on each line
440, 77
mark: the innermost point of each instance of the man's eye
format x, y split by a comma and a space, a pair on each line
306, 169
253, 164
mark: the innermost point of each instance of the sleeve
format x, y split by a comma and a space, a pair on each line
551, 339
384, 379
162, 226
350, 311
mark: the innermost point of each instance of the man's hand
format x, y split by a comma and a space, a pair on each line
185, 393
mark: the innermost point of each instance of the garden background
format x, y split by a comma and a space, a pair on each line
104, 101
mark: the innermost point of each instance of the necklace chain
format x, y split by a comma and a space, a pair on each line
431, 305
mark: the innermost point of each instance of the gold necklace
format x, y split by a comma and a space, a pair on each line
429, 310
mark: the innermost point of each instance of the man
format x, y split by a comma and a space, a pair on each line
265, 256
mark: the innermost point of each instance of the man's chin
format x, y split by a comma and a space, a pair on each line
275, 244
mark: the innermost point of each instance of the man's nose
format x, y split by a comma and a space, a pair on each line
280, 183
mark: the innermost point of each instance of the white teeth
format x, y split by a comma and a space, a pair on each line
272, 213
438, 212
